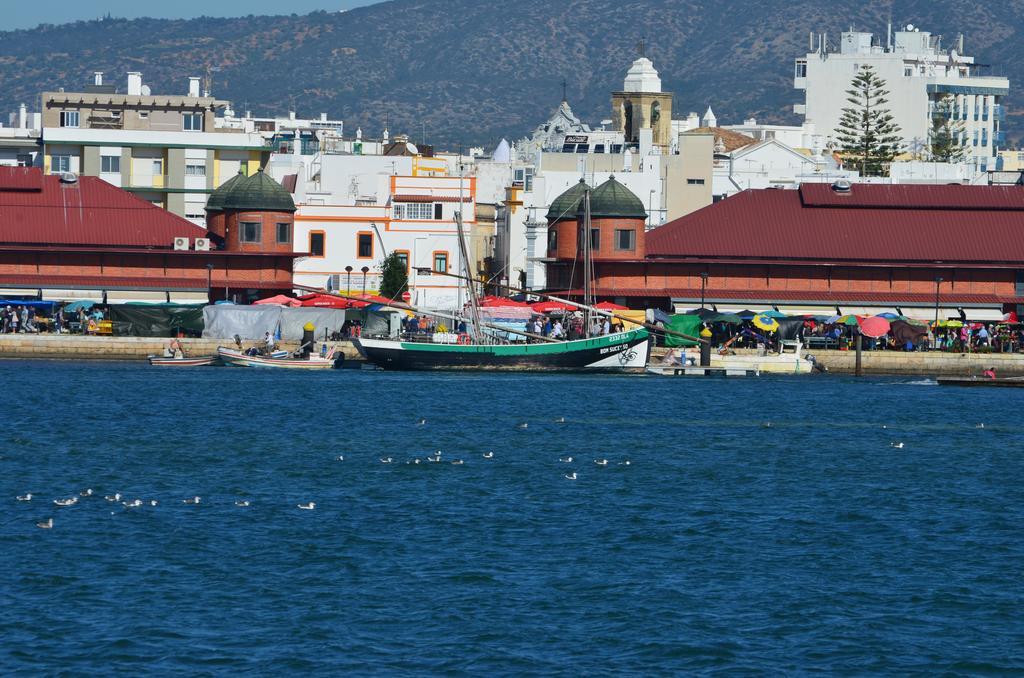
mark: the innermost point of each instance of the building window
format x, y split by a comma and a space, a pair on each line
695, 182
317, 243
524, 177
60, 163
552, 240
440, 262
595, 239
110, 164
438, 211
192, 122
284, 233
403, 256
598, 148
583, 148
195, 170
69, 118
417, 211
801, 69
143, 115
158, 167
364, 245
625, 240
249, 231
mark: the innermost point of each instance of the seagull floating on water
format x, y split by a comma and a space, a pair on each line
565, 460
152, 502
560, 420
625, 463
66, 502
48, 525
341, 457
601, 462
193, 500
421, 422
571, 476
86, 493
898, 446
132, 504
980, 426
25, 497
386, 460
307, 507
522, 425
457, 462
113, 497
242, 503
488, 455
766, 424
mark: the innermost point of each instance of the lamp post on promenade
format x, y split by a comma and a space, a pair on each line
935, 327
209, 279
365, 270
348, 283
703, 286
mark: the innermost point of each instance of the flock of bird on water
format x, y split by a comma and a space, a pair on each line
308, 506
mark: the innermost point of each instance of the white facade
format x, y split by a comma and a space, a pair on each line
359, 208
918, 74
772, 164
20, 139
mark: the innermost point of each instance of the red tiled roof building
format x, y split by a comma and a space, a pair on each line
875, 247
70, 237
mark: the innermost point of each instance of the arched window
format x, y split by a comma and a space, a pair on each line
627, 117
655, 113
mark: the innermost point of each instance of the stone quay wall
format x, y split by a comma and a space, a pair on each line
78, 347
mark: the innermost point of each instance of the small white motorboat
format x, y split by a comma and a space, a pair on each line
235, 358
197, 361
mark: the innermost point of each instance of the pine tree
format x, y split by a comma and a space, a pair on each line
867, 133
393, 278
945, 139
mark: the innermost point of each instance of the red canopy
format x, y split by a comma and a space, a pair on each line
330, 301
549, 306
280, 300
609, 306
491, 301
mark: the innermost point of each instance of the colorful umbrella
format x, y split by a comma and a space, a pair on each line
774, 314
492, 301
766, 323
609, 306
875, 326
279, 300
849, 320
727, 318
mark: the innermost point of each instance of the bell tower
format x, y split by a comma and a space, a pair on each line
642, 105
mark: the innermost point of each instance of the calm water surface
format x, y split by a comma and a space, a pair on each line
762, 525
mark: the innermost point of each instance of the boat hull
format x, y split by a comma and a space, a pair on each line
233, 358
622, 352
198, 361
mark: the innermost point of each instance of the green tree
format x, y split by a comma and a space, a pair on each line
946, 133
393, 278
867, 132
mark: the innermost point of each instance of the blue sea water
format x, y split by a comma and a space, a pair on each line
762, 525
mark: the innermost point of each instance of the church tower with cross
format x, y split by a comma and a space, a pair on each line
641, 105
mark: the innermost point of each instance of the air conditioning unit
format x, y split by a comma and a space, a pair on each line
202, 244
181, 243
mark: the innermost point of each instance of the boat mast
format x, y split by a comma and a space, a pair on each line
474, 303
587, 255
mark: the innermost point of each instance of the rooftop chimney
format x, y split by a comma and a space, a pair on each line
134, 83
98, 78
291, 115
193, 87
22, 117
323, 117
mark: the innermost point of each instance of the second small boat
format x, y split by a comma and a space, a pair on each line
234, 358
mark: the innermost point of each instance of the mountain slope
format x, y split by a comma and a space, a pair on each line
470, 72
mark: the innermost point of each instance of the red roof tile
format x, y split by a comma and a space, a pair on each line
87, 212
111, 282
900, 224
21, 179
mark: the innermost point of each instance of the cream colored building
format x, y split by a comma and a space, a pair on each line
164, 148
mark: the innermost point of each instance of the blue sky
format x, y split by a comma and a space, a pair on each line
22, 14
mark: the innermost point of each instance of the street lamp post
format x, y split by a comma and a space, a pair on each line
348, 283
703, 286
365, 270
935, 327
209, 280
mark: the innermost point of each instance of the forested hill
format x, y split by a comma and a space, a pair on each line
472, 71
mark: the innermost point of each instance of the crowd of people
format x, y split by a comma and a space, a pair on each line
57, 319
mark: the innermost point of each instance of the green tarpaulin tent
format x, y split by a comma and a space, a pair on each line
156, 320
687, 324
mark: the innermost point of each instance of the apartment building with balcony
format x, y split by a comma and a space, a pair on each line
165, 148
924, 80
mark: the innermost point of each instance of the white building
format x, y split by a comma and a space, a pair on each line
21, 139
919, 73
